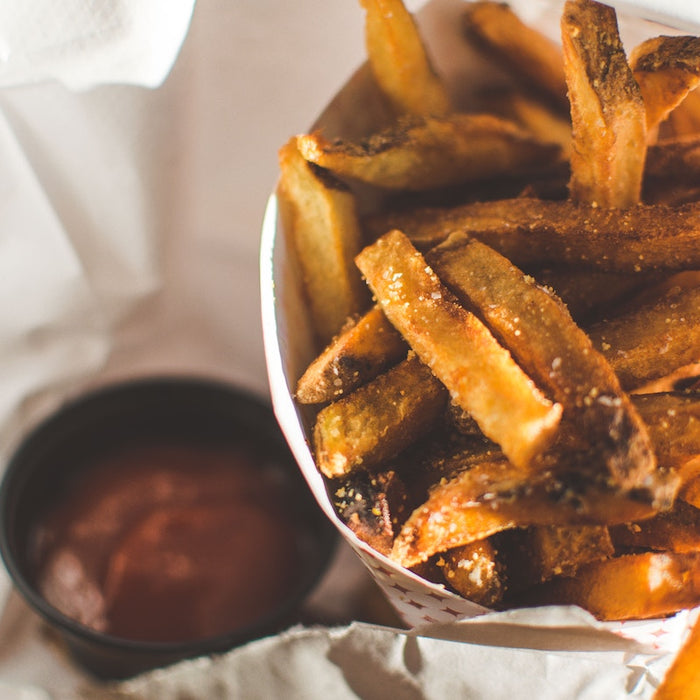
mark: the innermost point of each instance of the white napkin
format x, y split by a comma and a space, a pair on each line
83, 43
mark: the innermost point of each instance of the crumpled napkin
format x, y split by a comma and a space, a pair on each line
83, 43
77, 233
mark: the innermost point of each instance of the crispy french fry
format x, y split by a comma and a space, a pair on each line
475, 571
678, 530
682, 680
539, 331
684, 120
399, 60
652, 340
673, 420
320, 216
634, 586
523, 50
672, 173
607, 110
371, 505
363, 350
378, 420
494, 496
431, 152
666, 69
534, 233
557, 550
480, 375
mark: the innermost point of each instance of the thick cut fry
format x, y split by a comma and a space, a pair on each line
475, 572
635, 586
684, 120
607, 110
320, 217
362, 351
494, 496
678, 530
523, 50
555, 551
378, 420
666, 69
673, 419
652, 340
539, 331
399, 60
533, 232
682, 680
481, 375
427, 153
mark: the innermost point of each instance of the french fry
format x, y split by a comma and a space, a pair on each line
684, 120
539, 331
494, 496
371, 505
682, 680
652, 340
475, 571
523, 50
363, 350
672, 173
677, 530
480, 375
430, 152
607, 110
378, 420
666, 69
633, 586
535, 233
399, 60
320, 217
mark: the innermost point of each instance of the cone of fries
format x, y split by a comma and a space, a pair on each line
481, 310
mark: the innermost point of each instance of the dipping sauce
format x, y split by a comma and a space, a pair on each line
169, 542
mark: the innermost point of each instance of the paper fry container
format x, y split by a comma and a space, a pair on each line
286, 326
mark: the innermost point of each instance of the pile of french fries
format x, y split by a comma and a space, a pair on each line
506, 300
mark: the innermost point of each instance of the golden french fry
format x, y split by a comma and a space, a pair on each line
320, 217
684, 120
673, 420
666, 69
421, 153
523, 50
633, 586
607, 110
399, 60
536, 233
475, 571
362, 351
682, 680
494, 496
378, 420
539, 331
652, 340
480, 375
677, 530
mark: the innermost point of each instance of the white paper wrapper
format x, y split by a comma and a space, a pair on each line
288, 342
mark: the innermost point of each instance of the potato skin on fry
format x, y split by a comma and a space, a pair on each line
379, 419
480, 375
361, 351
538, 329
418, 154
607, 110
533, 232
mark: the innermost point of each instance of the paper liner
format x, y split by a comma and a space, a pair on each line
286, 327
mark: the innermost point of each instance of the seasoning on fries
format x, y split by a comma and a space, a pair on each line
513, 409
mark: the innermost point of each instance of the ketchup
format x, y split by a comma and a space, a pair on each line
166, 542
